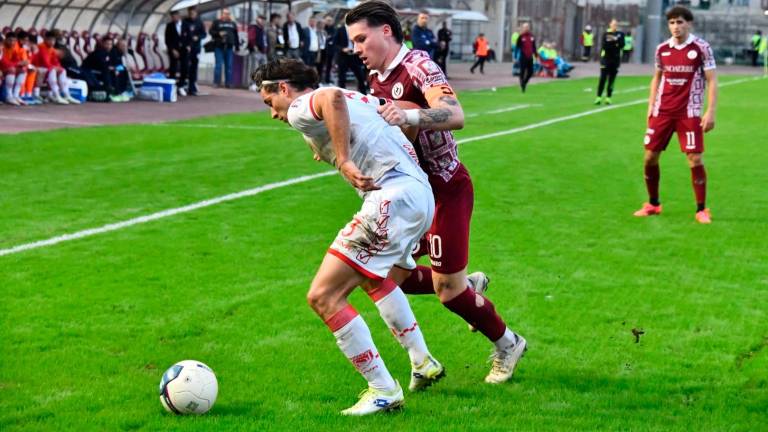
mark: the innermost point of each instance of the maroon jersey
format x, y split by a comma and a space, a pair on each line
413, 76
527, 45
681, 87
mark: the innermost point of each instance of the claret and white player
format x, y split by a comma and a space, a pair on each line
400, 74
344, 129
685, 67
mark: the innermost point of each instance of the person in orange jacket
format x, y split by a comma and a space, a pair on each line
47, 62
481, 52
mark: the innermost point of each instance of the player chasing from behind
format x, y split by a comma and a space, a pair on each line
344, 129
685, 65
400, 74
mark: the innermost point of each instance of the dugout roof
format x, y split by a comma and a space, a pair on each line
98, 16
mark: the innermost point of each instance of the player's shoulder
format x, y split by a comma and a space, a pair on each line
422, 68
662, 46
701, 43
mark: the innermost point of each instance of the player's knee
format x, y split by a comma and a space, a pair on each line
694, 159
317, 298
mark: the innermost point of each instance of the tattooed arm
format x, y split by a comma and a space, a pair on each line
444, 112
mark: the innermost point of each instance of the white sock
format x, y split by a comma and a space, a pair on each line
36, 92
507, 340
396, 311
51, 78
64, 83
9, 80
20, 78
355, 341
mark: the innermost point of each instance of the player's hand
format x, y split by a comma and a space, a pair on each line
316, 157
353, 175
392, 114
708, 121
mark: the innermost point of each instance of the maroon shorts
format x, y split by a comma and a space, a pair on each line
689, 134
447, 241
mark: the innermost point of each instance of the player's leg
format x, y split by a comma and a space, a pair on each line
64, 82
55, 94
612, 72
601, 84
691, 137
21, 78
449, 254
660, 130
10, 80
327, 296
408, 208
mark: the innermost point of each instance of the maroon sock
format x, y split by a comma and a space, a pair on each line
652, 175
699, 178
419, 282
478, 311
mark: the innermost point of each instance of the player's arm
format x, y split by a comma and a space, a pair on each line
444, 112
708, 120
331, 107
654, 90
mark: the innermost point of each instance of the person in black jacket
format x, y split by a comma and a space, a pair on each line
327, 51
177, 43
347, 60
196, 34
99, 62
225, 42
293, 35
612, 43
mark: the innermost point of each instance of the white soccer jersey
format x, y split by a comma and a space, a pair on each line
375, 146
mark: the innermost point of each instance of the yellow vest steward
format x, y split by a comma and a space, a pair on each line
588, 39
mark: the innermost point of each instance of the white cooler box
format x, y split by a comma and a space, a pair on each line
78, 89
167, 85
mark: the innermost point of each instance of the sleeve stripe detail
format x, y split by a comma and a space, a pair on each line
312, 108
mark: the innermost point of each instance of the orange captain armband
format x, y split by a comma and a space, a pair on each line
439, 91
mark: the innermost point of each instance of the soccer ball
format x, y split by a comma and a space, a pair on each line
188, 387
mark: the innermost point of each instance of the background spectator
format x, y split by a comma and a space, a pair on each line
47, 62
274, 37
586, 39
257, 42
755, 47
101, 65
225, 41
628, 47
328, 54
196, 32
423, 38
526, 45
177, 43
293, 35
312, 45
480, 47
347, 60
444, 37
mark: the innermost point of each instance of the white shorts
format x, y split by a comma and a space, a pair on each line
387, 228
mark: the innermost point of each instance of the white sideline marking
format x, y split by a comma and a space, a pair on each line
44, 120
215, 126
502, 110
162, 214
271, 186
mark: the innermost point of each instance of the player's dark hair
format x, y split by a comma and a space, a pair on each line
55, 34
680, 12
22, 35
376, 13
272, 16
292, 71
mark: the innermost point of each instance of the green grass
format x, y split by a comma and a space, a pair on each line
87, 327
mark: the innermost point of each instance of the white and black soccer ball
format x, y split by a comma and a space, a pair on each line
188, 387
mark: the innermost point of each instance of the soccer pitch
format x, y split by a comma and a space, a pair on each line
89, 325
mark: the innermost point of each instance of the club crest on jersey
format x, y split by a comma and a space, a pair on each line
692, 54
397, 91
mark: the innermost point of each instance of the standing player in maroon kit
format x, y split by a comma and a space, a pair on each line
400, 74
684, 65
